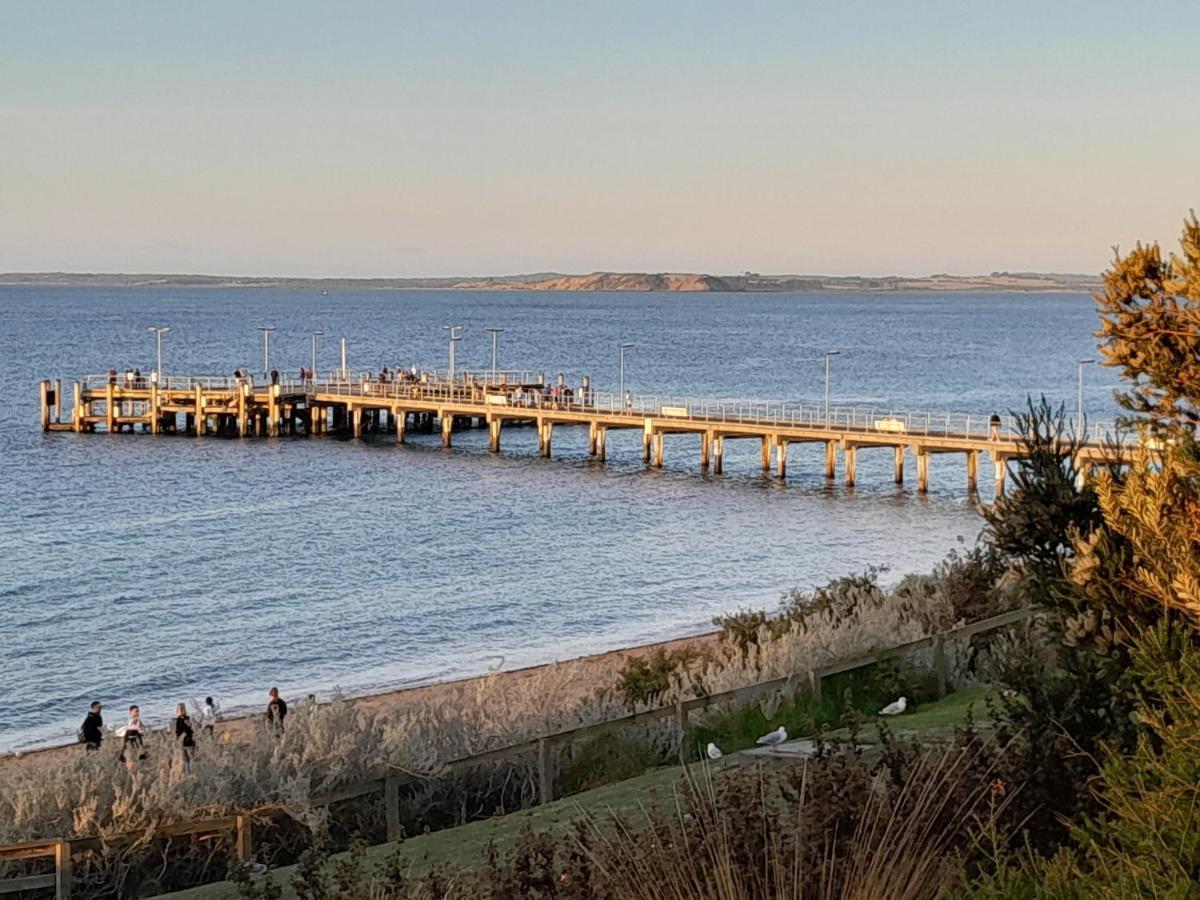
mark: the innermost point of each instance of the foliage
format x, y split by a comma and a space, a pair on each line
1150, 328
606, 759
646, 679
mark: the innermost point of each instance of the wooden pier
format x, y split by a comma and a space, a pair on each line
236, 407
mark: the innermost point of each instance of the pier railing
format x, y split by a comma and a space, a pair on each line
541, 749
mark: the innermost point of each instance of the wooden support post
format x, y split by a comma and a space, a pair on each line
681, 727
200, 418
647, 439
494, 425
830, 460
355, 423
272, 410
660, 440
401, 417
718, 454
705, 449
781, 448
814, 684
77, 412
972, 471
1001, 468
547, 445
110, 413
155, 412
447, 421
940, 666
391, 807
766, 455
922, 471
593, 428
57, 404
44, 397
545, 766
850, 452
62, 870
245, 839
898, 466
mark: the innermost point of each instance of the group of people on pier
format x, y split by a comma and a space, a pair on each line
132, 734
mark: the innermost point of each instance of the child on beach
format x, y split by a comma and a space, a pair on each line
132, 733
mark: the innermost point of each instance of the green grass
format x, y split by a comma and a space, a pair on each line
465, 847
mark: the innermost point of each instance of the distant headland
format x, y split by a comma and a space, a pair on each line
746, 282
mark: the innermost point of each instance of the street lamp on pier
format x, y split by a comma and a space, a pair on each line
159, 331
266, 333
622, 347
454, 339
494, 332
827, 355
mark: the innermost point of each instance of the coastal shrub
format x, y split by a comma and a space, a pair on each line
646, 679
607, 759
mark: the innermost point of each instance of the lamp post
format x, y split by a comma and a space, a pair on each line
454, 339
1079, 393
266, 333
827, 355
313, 365
622, 347
159, 331
493, 332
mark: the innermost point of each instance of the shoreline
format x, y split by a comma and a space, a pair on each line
238, 723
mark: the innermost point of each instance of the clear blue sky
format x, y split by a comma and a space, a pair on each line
455, 138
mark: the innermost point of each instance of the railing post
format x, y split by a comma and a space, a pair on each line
62, 870
391, 807
681, 726
545, 772
940, 665
245, 839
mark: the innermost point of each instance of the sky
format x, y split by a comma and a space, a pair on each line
453, 138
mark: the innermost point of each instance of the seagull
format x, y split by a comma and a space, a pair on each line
778, 736
894, 709
713, 751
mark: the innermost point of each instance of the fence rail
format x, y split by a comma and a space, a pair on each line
389, 786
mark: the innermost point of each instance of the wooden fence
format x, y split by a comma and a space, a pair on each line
390, 785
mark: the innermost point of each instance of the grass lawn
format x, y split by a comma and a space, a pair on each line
465, 847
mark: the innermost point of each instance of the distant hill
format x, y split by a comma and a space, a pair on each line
746, 282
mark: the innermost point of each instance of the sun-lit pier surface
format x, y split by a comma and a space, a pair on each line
353, 406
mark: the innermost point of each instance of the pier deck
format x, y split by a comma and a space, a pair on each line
206, 405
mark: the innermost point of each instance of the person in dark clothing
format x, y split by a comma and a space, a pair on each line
274, 376
92, 731
183, 732
276, 709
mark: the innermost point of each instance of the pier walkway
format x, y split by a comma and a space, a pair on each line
215, 405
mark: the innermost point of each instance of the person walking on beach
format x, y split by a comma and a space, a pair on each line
276, 710
92, 731
132, 733
210, 714
183, 733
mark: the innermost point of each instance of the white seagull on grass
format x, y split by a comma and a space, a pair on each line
713, 751
778, 736
894, 709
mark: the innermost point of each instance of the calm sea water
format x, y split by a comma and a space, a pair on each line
154, 570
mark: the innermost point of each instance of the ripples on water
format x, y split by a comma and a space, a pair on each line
154, 570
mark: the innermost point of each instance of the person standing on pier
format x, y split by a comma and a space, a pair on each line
276, 710
183, 733
92, 731
274, 376
132, 734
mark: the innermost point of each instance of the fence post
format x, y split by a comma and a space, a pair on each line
62, 870
681, 726
391, 807
545, 772
244, 839
814, 684
940, 665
